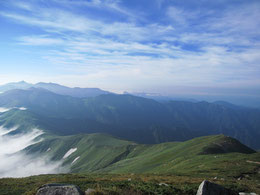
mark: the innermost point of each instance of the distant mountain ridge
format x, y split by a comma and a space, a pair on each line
15, 85
133, 118
160, 98
56, 88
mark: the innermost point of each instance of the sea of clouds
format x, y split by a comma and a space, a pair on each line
16, 163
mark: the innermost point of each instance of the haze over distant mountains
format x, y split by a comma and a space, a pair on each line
247, 101
126, 116
56, 88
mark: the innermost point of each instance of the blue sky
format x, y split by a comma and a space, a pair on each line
164, 46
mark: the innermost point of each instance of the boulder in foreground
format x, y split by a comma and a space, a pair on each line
208, 188
59, 189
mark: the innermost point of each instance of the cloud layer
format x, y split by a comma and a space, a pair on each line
15, 163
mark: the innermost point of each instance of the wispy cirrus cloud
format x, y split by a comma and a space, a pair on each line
39, 40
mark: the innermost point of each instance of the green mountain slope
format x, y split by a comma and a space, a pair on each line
100, 153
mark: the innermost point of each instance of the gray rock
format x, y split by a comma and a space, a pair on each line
163, 184
59, 189
208, 188
89, 191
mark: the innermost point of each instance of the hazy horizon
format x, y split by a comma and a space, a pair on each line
194, 94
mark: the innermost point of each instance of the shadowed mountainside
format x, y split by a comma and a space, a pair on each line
130, 117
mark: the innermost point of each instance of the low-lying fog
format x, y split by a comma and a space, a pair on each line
15, 163
3, 109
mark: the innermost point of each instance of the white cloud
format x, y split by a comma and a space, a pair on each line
22, 5
22, 165
54, 19
5, 131
177, 15
239, 21
2, 109
15, 163
39, 40
105, 54
18, 142
22, 108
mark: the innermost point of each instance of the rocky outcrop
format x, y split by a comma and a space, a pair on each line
59, 189
89, 191
208, 188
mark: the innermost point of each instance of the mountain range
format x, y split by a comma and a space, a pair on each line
126, 116
56, 88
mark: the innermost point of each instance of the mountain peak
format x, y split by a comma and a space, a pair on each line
19, 83
50, 83
55, 88
226, 144
22, 82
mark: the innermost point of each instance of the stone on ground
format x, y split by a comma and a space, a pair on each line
208, 188
59, 189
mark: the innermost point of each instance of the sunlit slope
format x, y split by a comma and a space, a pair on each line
21, 119
99, 153
189, 158
95, 151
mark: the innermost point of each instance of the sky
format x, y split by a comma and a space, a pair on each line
162, 46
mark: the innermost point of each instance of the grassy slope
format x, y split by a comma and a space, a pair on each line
100, 153
185, 159
124, 183
16, 117
180, 164
95, 150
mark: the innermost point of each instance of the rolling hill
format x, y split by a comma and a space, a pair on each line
111, 165
100, 153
